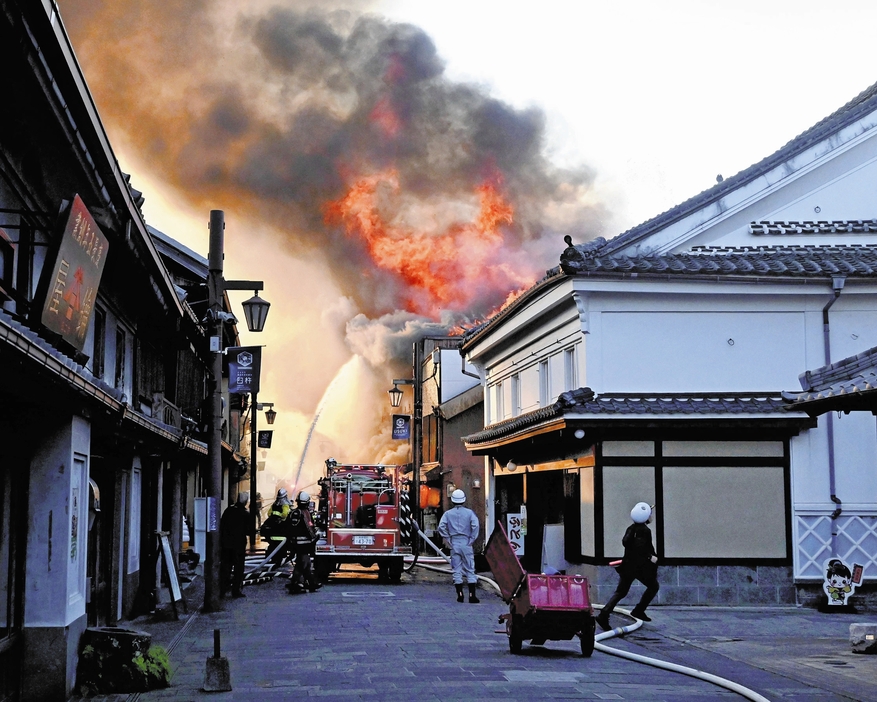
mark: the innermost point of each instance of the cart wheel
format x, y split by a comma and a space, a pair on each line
587, 637
514, 627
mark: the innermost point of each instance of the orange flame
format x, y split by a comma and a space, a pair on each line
447, 270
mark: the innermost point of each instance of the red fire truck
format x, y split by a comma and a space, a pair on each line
363, 517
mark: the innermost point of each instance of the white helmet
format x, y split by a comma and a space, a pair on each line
458, 497
281, 493
303, 498
641, 512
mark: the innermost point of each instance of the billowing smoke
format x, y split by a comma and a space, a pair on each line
416, 203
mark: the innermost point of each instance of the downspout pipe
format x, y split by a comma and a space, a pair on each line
837, 284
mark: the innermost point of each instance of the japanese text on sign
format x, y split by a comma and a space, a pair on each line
514, 529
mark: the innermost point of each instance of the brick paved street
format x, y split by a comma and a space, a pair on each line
357, 639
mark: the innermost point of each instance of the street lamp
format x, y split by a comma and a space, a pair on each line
270, 415
395, 393
255, 312
216, 287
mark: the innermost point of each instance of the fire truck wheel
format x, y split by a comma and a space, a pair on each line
383, 571
587, 637
395, 569
322, 568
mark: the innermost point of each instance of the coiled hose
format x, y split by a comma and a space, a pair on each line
617, 631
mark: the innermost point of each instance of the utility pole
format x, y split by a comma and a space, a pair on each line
255, 311
215, 288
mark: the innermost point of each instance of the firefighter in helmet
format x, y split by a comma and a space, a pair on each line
276, 527
459, 528
640, 562
303, 535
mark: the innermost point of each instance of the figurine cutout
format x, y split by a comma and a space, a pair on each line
841, 582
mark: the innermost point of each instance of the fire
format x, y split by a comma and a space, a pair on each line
445, 270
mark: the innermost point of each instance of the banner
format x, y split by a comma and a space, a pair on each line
244, 368
264, 439
69, 284
401, 426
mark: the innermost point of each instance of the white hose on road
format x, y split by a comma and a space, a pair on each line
654, 662
618, 631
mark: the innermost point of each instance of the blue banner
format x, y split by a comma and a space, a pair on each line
401, 426
244, 368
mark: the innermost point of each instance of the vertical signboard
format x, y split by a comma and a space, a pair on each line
244, 367
68, 287
401, 426
264, 439
516, 532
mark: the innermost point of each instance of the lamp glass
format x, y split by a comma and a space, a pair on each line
256, 312
270, 416
395, 396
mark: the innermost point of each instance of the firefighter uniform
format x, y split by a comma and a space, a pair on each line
303, 534
459, 527
276, 527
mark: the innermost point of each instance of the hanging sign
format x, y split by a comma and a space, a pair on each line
401, 426
516, 530
69, 285
264, 439
244, 368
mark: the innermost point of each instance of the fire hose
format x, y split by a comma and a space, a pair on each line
617, 631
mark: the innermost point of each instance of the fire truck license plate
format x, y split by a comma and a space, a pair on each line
363, 540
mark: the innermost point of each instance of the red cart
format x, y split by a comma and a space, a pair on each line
541, 607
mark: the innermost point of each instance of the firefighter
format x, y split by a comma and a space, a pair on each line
459, 528
303, 535
640, 562
276, 527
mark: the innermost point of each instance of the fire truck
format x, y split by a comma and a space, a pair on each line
363, 517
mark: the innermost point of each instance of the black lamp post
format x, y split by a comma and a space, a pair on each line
255, 313
270, 415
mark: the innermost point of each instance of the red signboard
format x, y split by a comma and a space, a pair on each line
75, 276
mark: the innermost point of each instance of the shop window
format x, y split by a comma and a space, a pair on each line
7, 262
569, 369
544, 384
724, 512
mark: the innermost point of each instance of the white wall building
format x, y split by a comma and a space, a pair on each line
651, 366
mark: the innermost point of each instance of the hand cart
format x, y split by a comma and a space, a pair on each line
541, 607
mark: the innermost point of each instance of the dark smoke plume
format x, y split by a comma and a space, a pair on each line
279, 110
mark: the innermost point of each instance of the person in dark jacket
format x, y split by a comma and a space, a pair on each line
303, 534
234, 527
640, 562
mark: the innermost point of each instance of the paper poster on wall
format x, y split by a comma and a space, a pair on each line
514, 529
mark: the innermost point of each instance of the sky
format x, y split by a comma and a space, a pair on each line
395, 168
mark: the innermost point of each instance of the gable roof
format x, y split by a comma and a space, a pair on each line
862, 104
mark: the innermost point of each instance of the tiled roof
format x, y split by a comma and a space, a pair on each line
856, 108
585, 402
855, 260
835, 385
784, 228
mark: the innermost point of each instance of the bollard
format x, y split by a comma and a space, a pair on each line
217, 677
